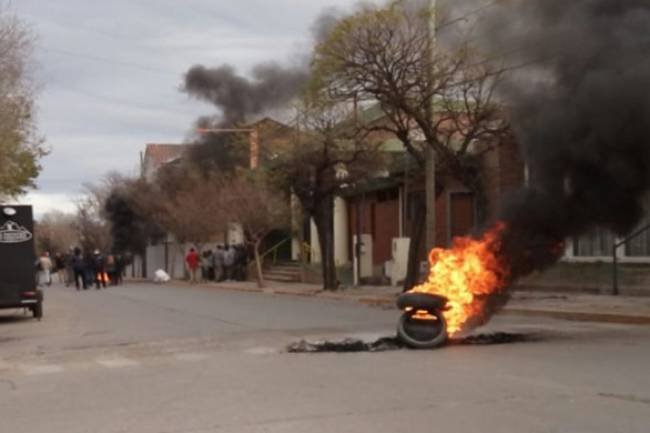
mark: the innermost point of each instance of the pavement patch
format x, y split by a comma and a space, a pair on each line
261, 351
117, 363
190, 357
38, 370
4, 365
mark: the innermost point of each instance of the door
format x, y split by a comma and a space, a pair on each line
462, 215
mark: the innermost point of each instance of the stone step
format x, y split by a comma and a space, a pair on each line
285, 272
282, 278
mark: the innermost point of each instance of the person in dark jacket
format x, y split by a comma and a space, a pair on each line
89, 268
111, 269
120, 264
79, 269
99, 270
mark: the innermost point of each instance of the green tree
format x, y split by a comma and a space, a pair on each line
21, 148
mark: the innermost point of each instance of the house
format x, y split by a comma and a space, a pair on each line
157, 155
381, 211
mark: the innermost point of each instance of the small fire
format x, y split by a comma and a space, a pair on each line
467, 274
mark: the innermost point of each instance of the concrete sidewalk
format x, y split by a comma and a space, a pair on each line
570, 306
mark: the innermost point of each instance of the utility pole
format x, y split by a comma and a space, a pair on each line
430, 156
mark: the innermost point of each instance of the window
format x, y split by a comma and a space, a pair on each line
597, 243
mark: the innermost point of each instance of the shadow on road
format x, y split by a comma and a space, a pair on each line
17, 317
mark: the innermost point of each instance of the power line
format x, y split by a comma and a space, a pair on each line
107, 60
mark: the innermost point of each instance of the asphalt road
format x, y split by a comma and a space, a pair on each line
144, 358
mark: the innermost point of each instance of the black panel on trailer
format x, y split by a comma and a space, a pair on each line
17, 257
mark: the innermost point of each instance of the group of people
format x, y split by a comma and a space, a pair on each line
81, 269
226, 263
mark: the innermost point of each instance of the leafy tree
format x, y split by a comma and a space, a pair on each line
20, 146
132, 225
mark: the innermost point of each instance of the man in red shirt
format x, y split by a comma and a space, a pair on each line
192, 261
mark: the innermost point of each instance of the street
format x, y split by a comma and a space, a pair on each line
145, 358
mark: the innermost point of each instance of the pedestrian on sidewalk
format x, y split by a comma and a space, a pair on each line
217, 264
206, 261
229, 262
192, 260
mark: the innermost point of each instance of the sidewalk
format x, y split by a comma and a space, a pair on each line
570, 306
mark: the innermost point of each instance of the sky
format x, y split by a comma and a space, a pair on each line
110, 72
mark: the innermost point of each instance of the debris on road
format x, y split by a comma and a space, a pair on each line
351, 345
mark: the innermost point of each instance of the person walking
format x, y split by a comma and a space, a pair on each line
99, 270
59, 267
69, 271
119, 269
111, 269
192, 260
229, 262
78, 264
45, 266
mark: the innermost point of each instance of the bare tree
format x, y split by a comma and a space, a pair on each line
20, 146
433, 96
247, 199
56, 232
329, 155
185, 204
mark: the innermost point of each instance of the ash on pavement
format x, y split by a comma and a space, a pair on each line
351, 345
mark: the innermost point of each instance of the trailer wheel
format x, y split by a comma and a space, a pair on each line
422, 334
37, 311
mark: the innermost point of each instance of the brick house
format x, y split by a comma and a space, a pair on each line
382, 210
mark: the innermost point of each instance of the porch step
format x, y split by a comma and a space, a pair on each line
286, 272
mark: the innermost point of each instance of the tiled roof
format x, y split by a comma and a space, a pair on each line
156, 155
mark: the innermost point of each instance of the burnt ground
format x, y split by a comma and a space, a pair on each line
385, 344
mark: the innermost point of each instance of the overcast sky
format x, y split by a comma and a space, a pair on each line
110, 74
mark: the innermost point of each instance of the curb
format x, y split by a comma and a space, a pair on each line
382, 301
579, 316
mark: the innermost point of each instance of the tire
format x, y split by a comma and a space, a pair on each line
37, 311
421, 301
422, 334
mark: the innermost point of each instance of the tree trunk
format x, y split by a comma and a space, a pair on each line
144, 263
258, 263
324, 220
417, 233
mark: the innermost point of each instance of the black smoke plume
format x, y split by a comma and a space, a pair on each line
580, 106
239, 97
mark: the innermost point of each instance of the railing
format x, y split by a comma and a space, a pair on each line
274, 251
617, 245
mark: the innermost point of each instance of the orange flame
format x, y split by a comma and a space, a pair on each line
467, 275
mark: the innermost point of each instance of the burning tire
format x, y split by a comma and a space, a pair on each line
422, 334
419, 330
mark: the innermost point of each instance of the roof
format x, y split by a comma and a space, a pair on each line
156, 155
